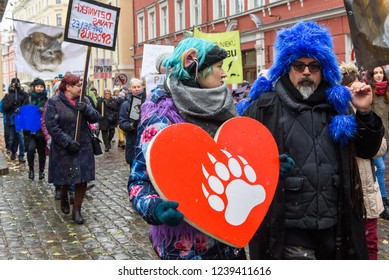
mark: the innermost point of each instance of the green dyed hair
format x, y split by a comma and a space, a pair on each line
174, 62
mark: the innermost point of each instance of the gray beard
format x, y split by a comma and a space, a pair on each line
306, 91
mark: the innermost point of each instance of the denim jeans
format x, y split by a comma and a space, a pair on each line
21, 144
13, 138
380, 173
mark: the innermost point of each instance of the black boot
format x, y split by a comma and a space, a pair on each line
31, 174
64, 200
41, 175
385, 214
79, 191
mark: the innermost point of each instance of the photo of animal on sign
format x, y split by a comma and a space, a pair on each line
41, 51
224, 186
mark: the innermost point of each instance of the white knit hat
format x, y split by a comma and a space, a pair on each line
56, 86
159, 59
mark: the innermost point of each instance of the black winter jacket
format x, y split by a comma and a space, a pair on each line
12, 100
318, 194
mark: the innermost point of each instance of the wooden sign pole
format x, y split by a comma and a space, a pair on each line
84, 82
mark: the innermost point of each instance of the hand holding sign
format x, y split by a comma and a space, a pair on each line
225, 186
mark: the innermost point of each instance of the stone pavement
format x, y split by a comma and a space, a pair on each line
33, 227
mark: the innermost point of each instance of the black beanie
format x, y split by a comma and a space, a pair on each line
38, 81
214, 55
15, 80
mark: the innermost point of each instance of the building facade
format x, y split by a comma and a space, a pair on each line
167, 22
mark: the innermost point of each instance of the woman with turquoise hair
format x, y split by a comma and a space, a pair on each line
194, 92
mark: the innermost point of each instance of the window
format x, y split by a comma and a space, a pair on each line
256, 3
195, 8
141, 27
236, 6
180, 15
59, 19
151, 23
164, 18
57, 1
220, 8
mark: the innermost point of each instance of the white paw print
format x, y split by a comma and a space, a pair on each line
241, 195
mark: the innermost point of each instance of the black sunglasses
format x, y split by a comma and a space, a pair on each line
313, 66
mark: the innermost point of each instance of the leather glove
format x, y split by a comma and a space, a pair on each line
286, 166
17, 111
166, 213
81, 106
40, 110
73, 147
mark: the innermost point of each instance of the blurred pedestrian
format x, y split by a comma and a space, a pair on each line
371, 192
57, 191
128, 125
71, 161
120, 100
379, 82
108, 108
11, 104
35, 141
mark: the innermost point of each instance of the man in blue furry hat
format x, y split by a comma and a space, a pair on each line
317, 211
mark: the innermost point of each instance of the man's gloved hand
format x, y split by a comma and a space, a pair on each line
73, 147
167, 214
40, 110
17, 111
81, 106
286, 166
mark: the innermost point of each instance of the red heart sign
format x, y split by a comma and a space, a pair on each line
225, 186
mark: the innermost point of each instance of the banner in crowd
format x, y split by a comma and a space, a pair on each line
102, 68
150, 53
369, 28
92, 23
41, 52
230, 41
152, 81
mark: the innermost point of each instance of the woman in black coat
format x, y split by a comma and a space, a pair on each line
70, 161
109, 110
36, 141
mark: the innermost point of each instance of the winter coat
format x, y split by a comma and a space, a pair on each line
35, 99
12, 100
372, 198
320, 193
185, 242
381, 108
66, 168
109, 111
129, 126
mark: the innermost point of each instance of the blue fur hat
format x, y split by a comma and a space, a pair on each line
309, 39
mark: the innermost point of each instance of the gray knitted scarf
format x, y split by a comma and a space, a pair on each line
207, 108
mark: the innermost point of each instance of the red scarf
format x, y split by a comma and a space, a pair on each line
380, 87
